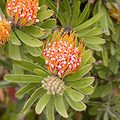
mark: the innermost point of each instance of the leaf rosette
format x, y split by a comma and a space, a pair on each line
50, 88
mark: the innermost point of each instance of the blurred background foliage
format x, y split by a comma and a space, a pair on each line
97, 22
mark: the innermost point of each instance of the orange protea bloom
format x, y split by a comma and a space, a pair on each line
63, 54
4, 30
22, 12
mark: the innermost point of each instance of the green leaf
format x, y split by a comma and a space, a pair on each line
89, 23
87, 90
78, 106
114, 65
105, 56
29, 65
112, 49
83, 15
45, 14
14, 39
50, 110
96, 47
25, 89
76, 11
42, 103
105, 116
60, 106
34, 31
34, 51
73, 94
60, 16
41, 72
90, 32
87, 55
49, 24
95, 32
38, 93
20, 78
5, 84
81, 83
28, 40
94, 40
68, 11
14, 52
42, 8
17, 69
84, 70
102, 91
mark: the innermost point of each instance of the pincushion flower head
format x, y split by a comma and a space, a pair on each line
4, 30
63, 55
60, 80
22, 12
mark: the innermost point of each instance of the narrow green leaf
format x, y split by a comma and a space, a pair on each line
94, 40
105, 56
84, 70
87, 55
5, 84
42, 103
14, 52
28, 40
76, 11
49, 24
42, 8
17, 69
38, 93
96, 47
20, 78
41, 73
83, 15
34, 31
81, 83
14, 39
68, 11
88, 23
102, 91
25, 89
34, 51
60, 16
50, 110
73, 94
45, 14
87, 90
78, 106
60, 107
94, 32
105, 116
29, 65
114, 65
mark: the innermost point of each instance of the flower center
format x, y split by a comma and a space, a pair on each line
53, 85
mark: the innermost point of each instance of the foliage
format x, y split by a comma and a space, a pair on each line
87, 92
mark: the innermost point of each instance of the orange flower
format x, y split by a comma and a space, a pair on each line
22, 12
4, 30
63, 54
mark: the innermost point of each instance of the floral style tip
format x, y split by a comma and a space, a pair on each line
22, 12
63, 54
